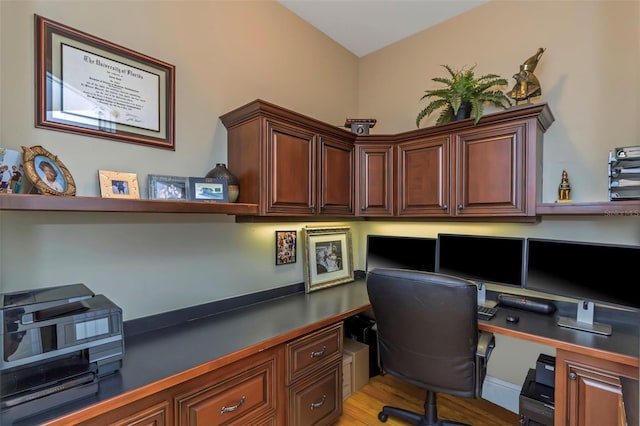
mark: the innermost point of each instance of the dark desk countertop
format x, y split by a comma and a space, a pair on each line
162, 353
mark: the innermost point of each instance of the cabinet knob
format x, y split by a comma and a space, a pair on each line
445, 207
573, 376
459, 206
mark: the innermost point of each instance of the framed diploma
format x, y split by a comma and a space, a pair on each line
89, 86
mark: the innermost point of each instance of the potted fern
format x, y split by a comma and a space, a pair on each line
463, 95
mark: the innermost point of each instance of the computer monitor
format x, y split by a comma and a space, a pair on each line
482, 258
388, 251
589, 272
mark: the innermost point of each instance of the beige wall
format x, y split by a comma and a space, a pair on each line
228, 53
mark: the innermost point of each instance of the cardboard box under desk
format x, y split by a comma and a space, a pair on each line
360, 362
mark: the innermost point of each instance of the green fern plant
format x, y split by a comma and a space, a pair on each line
463, 87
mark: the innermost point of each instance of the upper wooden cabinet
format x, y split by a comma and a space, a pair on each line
292, 165
289, 164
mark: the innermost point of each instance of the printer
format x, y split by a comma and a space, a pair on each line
57, 343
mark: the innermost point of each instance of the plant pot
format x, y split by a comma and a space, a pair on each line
464, 111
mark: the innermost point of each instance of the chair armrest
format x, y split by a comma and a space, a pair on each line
486, 343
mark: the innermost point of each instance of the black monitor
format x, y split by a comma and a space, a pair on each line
482, 258
387, 251
589, 272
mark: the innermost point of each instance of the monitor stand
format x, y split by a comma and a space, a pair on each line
482, 296
584, 320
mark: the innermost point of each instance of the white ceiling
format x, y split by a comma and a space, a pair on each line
364, 26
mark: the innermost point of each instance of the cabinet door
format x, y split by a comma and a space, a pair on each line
153, 416
374, 177
290, 170
588, 390
490, 166
335, 177
423, 177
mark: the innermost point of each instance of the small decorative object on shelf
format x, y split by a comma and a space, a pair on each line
527, 85
221, 171
564, 189
46, 172
360, 126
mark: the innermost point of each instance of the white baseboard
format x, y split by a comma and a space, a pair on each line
504, 394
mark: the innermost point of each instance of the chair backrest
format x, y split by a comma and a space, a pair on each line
427, 328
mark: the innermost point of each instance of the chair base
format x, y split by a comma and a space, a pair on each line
429, 418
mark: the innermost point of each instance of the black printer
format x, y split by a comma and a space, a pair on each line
56, 344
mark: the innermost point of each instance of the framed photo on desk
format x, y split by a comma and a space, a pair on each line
328, 257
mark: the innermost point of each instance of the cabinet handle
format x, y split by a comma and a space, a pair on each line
318, 404
233, 407
459, 206
319, 353
573, 376
445, 207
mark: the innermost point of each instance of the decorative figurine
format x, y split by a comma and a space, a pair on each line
527, 85
564, 189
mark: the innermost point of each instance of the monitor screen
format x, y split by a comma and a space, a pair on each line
605, 273
482, 258
387, 251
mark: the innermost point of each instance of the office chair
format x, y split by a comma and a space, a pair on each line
428, 336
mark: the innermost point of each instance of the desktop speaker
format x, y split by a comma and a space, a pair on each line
541, 306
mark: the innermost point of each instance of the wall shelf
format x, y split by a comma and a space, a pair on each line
604, 208
33, 202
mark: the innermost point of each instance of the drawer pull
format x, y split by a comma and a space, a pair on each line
319, 353
318, 404
233, 407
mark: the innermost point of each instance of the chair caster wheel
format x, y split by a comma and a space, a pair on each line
382, 417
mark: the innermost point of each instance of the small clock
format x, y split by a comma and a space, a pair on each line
360, 126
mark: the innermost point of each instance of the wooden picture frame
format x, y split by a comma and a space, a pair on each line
92, 87
118, 184
286, 247
328, 257
46, 172
162, 187
214, 190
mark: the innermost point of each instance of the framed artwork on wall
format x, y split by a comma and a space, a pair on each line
328, 257
286, 246
89, 86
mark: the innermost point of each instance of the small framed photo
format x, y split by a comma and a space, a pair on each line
328, 257
11, 171
168, 188
46, 172
118, 184
208, 189
286, 247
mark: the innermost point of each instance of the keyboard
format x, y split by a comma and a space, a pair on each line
486, 313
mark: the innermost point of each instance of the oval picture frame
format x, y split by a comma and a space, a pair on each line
39, 164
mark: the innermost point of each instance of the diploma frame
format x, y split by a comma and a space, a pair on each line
138, 107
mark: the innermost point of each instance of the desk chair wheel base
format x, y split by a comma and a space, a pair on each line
429, 418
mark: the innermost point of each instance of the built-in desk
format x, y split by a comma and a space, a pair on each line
168, 357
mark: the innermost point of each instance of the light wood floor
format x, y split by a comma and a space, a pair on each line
363, 406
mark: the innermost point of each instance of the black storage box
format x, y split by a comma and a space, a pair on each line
536, 402
546, 370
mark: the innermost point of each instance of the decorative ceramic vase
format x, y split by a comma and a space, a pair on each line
221, 171
464, 111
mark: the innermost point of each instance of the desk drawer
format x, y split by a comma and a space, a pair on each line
317, 400
313, 351
238, 399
